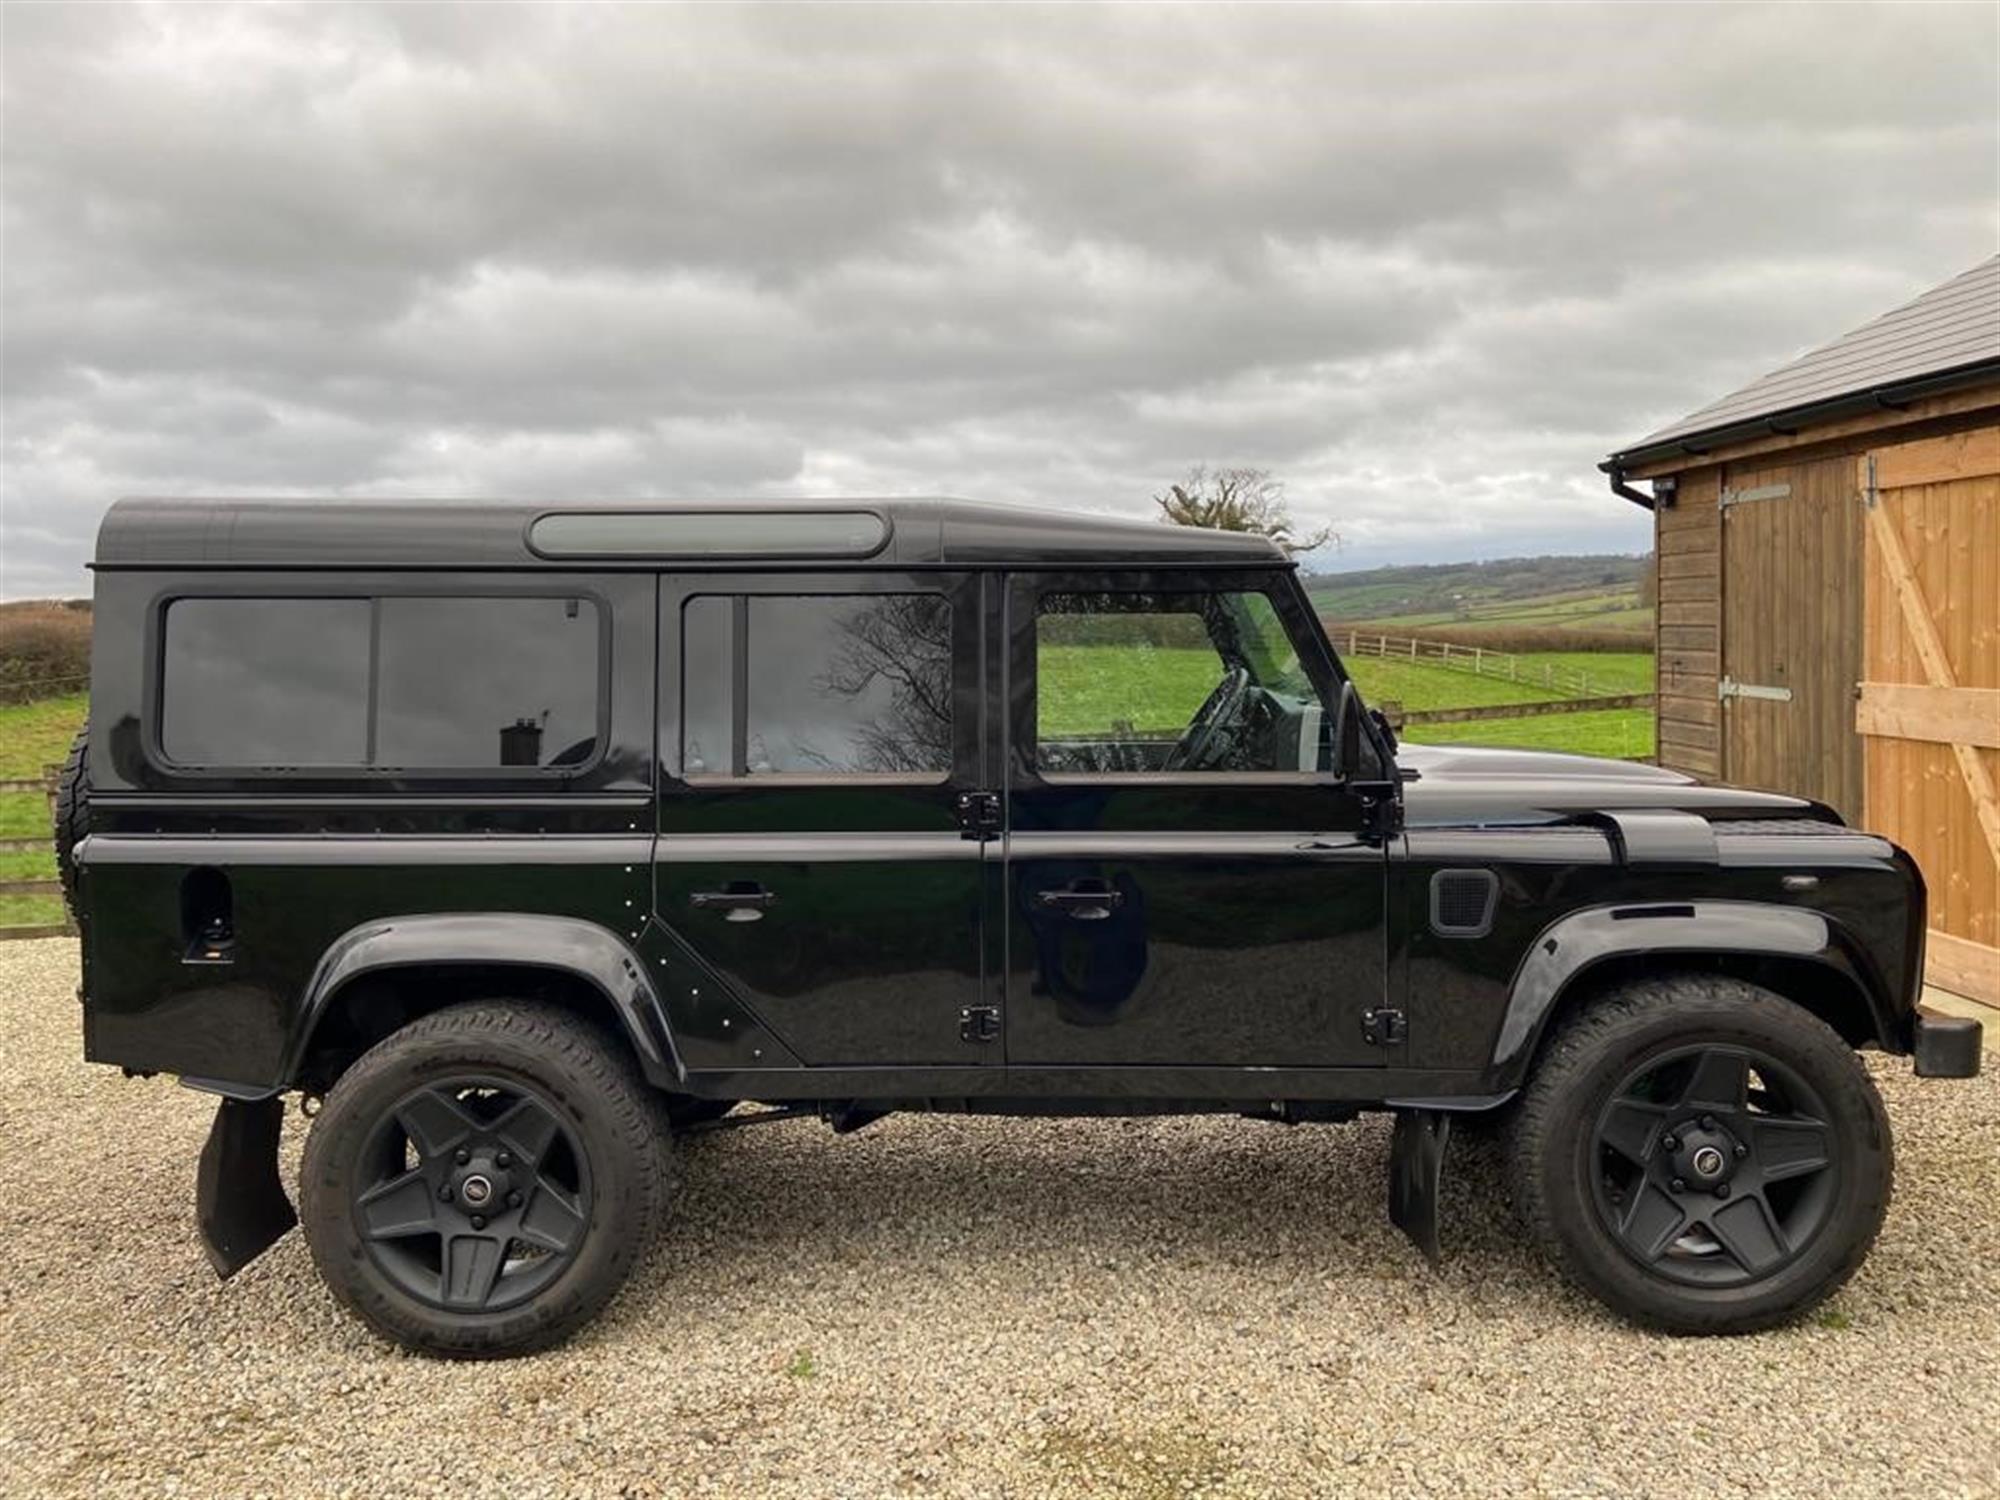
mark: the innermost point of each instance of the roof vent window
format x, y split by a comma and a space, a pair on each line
691, 533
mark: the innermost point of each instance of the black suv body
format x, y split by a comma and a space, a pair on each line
533, 839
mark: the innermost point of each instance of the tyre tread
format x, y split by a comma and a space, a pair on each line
1566, 1061
628, 1109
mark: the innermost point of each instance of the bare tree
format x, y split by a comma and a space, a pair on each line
1238, 500
892, 660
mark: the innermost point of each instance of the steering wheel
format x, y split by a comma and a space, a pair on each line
1208, 730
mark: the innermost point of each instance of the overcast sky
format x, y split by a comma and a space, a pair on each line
1429, 265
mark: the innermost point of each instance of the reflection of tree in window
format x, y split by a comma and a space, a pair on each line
890, 658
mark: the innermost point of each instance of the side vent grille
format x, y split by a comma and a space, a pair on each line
1462, 902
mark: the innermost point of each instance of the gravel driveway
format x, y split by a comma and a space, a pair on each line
972, 1307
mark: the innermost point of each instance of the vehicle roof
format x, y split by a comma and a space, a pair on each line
332, 534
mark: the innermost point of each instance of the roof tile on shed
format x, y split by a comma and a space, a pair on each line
1948, 327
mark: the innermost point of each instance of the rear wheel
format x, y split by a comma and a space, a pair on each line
71, 819
1702, 1154
482, 1182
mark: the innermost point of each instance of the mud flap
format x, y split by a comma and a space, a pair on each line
1416, 1165
239, 1202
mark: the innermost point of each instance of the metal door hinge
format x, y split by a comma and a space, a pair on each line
1384, 1028
979, 1023
1760, 492
979, 815
1729, 688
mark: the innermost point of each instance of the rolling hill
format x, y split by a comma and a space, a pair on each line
1591, 592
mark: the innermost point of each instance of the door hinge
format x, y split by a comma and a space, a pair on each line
1729, 498
1384, 1028
979, 1023
1729, 688
979, 815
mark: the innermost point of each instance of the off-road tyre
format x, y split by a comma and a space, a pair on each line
71, 818
587, 1086
1556, 1160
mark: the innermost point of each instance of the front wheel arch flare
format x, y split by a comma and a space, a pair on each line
1797, 953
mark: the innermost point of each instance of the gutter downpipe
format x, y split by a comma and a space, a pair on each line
1621, 488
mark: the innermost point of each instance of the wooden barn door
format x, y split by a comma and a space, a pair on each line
1930, 699
1791, 626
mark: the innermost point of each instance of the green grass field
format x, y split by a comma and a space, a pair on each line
32, 735
1624, 733
38, 734
1086, 688
1417, 686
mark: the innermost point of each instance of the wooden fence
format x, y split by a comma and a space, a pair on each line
1478, 660
46, 785
1399, 718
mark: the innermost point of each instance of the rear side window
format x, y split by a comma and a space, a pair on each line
266, 682
386, 684
816, 686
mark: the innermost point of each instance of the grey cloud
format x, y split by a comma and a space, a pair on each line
1428, 263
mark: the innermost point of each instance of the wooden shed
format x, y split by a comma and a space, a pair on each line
1829, 594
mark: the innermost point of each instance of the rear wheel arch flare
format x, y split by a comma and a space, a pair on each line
375, 1003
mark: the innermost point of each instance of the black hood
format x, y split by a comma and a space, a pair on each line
1460, 784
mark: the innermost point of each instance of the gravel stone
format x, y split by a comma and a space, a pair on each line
976, 1307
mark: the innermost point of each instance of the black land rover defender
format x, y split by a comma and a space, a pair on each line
523, 840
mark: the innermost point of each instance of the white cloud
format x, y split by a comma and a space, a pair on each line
1428, 263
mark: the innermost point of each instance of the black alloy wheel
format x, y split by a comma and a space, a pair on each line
1716, 1165
482, 1182
473, 1194
1701, 1154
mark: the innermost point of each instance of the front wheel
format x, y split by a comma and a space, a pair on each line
482, 1182
1702, 1154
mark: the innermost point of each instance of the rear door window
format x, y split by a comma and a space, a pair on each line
816, 686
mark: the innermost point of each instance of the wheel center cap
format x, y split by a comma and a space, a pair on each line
476, 1190
1707, 1162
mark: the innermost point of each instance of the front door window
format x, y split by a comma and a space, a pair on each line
1172, 683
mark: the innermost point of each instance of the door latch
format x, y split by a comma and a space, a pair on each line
979, 815
1384, 1028
979, 1023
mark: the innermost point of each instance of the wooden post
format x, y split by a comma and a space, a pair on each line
1478, 661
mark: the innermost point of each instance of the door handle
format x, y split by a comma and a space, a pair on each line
738, 903
1081, 902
